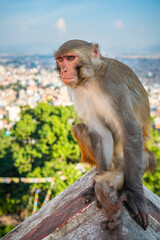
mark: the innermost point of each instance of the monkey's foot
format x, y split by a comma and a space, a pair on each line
111, 224
113, 179
120, 233
135, 204
88, 194
107, 198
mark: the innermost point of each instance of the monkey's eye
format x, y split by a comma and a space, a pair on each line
60, 59
70, 58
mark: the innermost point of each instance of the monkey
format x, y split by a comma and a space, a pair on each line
114, 108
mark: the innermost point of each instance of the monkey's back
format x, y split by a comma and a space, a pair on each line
121, 80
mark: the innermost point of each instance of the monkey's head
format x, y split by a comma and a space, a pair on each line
76, 61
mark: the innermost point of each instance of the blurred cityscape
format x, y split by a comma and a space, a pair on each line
31, 79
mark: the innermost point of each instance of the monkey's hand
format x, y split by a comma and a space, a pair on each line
133, 200
88, 194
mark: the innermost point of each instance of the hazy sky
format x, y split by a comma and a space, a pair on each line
42, 25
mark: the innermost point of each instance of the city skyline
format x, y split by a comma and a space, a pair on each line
119, 26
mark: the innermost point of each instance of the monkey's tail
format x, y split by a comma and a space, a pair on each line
150, 162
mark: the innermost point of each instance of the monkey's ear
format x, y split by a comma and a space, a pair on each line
95, 51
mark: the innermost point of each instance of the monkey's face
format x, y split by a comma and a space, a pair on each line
77, 62
67, 66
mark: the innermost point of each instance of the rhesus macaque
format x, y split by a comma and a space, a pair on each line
114, 106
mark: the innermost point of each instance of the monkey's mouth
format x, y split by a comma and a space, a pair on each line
68, 81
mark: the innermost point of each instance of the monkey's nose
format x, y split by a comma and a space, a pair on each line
64, 69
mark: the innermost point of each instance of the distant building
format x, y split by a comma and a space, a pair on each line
13, 113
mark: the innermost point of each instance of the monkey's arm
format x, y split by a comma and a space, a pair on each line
133, 162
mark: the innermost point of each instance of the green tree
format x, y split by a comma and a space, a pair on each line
152, 180
41, 145
44, 134
6, 161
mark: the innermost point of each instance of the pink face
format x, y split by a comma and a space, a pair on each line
67, 65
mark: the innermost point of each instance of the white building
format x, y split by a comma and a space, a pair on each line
13, 113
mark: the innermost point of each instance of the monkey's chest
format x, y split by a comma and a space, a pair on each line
93, 107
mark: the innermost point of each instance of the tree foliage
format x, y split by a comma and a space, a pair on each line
44, 134
41, 145
152, 180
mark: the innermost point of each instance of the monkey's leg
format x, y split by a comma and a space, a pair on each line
80, 132
91, 146
113, 179
139, 212
109, 180
106, 185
